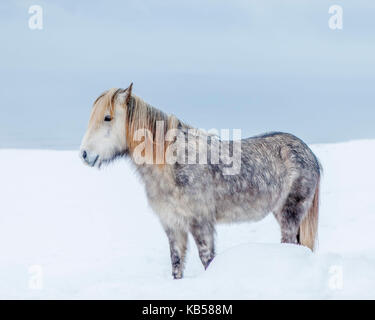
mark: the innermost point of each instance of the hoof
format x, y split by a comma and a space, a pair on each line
207, 263
177, 275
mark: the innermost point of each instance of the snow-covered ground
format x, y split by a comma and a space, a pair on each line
69, 231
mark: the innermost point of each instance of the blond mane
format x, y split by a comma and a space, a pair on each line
139, 116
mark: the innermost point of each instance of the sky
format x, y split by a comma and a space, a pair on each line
257, 66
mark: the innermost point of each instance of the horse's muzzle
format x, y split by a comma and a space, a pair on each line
89, 159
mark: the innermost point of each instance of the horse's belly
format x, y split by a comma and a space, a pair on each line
236, 213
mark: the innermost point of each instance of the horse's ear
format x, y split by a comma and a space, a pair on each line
128, 93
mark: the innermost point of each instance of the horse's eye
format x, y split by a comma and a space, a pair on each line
107, 118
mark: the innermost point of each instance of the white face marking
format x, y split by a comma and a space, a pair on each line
104, 140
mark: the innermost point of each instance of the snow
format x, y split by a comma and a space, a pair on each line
82, 233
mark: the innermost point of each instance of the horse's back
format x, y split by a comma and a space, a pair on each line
283, 148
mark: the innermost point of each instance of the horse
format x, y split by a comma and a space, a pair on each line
273, 172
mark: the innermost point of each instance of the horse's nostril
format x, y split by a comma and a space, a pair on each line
84, 154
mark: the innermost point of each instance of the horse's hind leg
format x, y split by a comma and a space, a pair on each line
292, 212
203, 232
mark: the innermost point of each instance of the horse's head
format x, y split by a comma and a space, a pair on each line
105, 137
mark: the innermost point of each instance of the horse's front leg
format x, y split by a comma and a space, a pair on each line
203, 231
178, 244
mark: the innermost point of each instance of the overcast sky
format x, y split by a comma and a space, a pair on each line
255, 65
